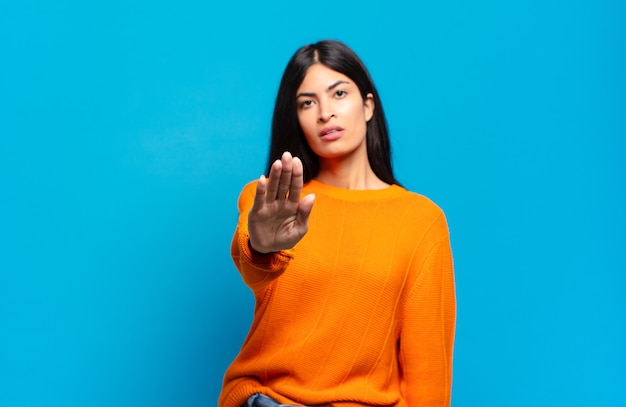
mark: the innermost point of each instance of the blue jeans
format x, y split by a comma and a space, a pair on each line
261, 400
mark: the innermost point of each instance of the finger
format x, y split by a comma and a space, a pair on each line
304, 210
259, 197
274, 180
285, 176
296, 180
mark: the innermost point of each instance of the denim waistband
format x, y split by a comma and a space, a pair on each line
261, 400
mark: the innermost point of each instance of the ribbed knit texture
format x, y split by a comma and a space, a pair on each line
360, 312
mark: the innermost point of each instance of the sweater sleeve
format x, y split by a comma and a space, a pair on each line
256, 269
427, 335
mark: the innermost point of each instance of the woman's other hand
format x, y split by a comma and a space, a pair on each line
278, 218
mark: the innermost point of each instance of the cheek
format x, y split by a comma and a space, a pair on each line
354, 110
307, 123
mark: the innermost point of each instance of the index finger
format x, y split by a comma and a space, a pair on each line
297, 180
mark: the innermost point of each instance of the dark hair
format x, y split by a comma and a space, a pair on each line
286, 132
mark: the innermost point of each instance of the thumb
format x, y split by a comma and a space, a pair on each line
304, 209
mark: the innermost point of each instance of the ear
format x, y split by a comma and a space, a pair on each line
368, 107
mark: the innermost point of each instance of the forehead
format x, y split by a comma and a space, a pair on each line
319, 75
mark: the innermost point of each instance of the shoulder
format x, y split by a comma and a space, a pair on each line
249, 189
419, 199
421, 202
246, 196
425, 212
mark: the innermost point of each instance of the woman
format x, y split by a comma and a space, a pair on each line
352, 274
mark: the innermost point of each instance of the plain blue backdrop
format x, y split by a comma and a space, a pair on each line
127, 129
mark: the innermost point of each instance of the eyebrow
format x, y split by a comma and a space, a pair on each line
331, 87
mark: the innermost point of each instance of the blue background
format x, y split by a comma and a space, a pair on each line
127, 130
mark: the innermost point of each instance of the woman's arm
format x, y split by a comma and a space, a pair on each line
427, 336
272, 219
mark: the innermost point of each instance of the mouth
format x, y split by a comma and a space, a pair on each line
331, 133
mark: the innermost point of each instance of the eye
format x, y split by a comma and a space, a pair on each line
340, 93
305, 103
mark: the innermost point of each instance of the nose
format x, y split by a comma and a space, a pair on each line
325, 107
325, 116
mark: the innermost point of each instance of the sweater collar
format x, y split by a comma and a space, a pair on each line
353, 194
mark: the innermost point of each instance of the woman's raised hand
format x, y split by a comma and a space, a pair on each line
278, 218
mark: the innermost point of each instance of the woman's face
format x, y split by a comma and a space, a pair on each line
332, 114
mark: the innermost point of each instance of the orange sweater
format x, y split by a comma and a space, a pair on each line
360, 312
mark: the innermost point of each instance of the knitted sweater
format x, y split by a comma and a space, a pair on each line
360, 312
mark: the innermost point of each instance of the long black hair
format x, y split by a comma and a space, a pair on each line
286, 132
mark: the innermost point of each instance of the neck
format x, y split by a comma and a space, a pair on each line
349, 175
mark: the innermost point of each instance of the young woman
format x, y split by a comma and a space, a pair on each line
352, 274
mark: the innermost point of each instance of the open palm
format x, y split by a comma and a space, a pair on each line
278, 218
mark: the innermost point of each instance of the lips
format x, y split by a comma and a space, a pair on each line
331, 133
